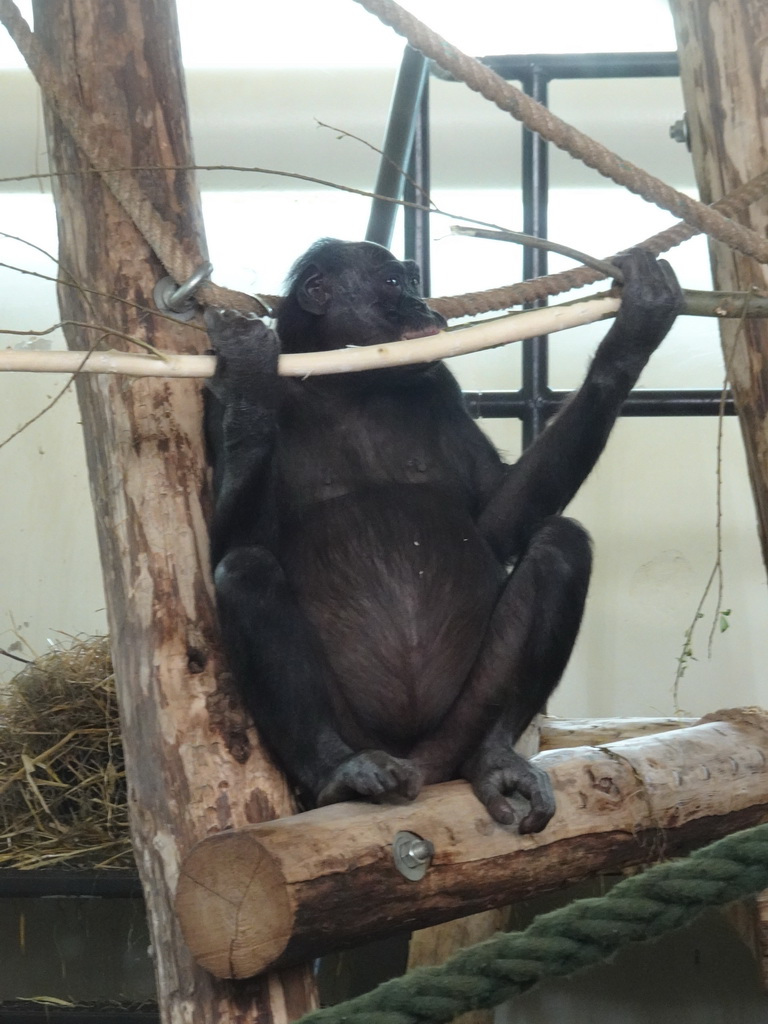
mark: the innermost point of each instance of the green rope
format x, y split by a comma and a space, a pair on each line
586, 932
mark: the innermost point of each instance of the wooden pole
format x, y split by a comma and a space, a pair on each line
186, 747
557, 733
724, 70
297, 888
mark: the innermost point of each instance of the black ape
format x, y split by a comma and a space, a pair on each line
363, 531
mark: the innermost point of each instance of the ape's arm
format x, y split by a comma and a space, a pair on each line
241, 427
550, 472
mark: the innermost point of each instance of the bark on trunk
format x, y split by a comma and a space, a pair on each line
724, 69
186, 748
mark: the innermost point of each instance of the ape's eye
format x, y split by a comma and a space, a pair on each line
393, 281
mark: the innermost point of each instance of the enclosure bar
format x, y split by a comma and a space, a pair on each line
15, 1014
535, 402
535, 159
650, 64
106, 884
417, 219
641, 402
401, 127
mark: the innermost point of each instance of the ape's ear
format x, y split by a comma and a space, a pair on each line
312, 292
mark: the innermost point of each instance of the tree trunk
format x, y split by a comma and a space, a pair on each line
724, 69
186, 749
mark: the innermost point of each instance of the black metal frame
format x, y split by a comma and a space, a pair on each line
535, 401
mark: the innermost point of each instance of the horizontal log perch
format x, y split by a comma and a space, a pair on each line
556, 733
286, 891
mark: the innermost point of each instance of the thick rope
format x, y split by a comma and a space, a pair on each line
506, 296
510, 99
473, 303
586, 932
182, 259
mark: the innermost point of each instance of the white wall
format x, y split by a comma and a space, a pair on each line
650, 505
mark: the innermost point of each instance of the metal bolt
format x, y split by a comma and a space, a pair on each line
680, 131
412, 855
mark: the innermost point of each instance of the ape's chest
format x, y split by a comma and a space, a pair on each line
338, 451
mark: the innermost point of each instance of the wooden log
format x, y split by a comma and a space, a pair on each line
557, 733
722, 51
284, 891
186, 749
432, 946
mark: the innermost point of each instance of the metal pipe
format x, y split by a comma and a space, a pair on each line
417, 189
645, 402
535, 158
397, 145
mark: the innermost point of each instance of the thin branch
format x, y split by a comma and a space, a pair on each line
498, 235
686, 654
15, 657
139, 307
483, 335
426, 206
385, 156
73, 369
106, 332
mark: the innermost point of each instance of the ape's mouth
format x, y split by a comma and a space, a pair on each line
425, 332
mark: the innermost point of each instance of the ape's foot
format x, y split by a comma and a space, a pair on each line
371, 775
497, 777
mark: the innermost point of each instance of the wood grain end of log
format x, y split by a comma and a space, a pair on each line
242, 899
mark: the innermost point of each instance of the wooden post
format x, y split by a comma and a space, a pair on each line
296, 888
724, 69
186, 748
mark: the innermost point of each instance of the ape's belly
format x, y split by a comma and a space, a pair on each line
399, 587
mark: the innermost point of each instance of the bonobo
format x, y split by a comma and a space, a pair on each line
396, 602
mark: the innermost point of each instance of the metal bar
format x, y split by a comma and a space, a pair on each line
641, 402
106, 884
417, 188
661, 64
535, 402
535, 156
15, 1013
397, 145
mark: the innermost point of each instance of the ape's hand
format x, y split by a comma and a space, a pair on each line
247, 352
650, 297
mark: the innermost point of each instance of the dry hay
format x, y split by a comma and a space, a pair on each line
62, 777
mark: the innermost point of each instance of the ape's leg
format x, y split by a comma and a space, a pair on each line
284, 678
528, 643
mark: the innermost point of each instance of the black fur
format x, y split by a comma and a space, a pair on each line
364, 529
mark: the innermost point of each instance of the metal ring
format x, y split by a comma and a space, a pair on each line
178, 300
